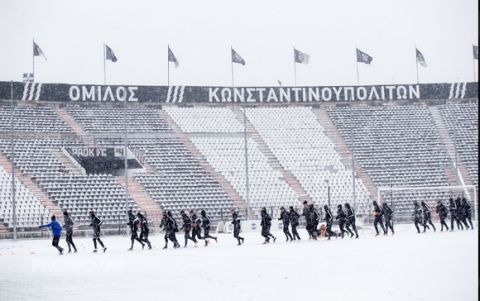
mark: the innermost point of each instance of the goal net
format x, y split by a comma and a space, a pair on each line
401, 198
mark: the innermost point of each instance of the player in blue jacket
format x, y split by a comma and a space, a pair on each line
57, 231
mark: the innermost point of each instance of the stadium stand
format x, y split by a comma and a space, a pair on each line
193, 156
397, 145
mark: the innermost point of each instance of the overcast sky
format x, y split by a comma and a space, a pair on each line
263, 32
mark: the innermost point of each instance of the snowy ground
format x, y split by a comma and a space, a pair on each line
408, 266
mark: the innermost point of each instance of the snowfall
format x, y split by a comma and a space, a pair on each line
407, 266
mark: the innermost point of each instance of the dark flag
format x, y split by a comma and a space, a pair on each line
420, 58
172, 58
475, 52
300, 57
362, 57
37, 51
109, 55
236, 58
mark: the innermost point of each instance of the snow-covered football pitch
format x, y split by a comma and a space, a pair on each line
408, 266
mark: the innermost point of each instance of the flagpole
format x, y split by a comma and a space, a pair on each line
474, 69
294, 68
104, 66
231, 65
416, 63
418, 80
356, 60
168, 66
33, 60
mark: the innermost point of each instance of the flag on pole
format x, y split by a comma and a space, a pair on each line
300, 57
236, 58
37, 51
172, 58
363, 57
475, 52
420, 58
280, 83
109, 55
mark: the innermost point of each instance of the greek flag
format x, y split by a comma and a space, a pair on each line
172, 58
420, 58
363, 57
300, 57
236, 58
37, 51
109, 55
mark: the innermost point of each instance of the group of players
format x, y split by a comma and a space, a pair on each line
193, 225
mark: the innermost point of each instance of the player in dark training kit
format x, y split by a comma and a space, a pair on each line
187, 227
144, 230
206, 227
69, 229
294, 217
266, 223
170, 226
427, 217
237, 228
378, 218
351, 219
467, 211
133, 225
196, 225
442, 212
285, 218
314, 221
388, 214
461, 214
417, 216
96, 223
56, 231
454, 215
342, 219
308, 223
329, 221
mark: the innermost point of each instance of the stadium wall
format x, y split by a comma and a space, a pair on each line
221, 95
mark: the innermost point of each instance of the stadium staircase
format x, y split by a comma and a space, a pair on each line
449, 145
137, 192
34, 188
272, 160
224, 183
76, 128
70, 166
342, 149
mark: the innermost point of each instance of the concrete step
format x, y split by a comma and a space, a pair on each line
137, 192
76, 128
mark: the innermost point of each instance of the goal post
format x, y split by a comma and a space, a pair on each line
402, 196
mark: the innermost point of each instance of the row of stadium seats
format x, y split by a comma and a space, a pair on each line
32, 119
112, 120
